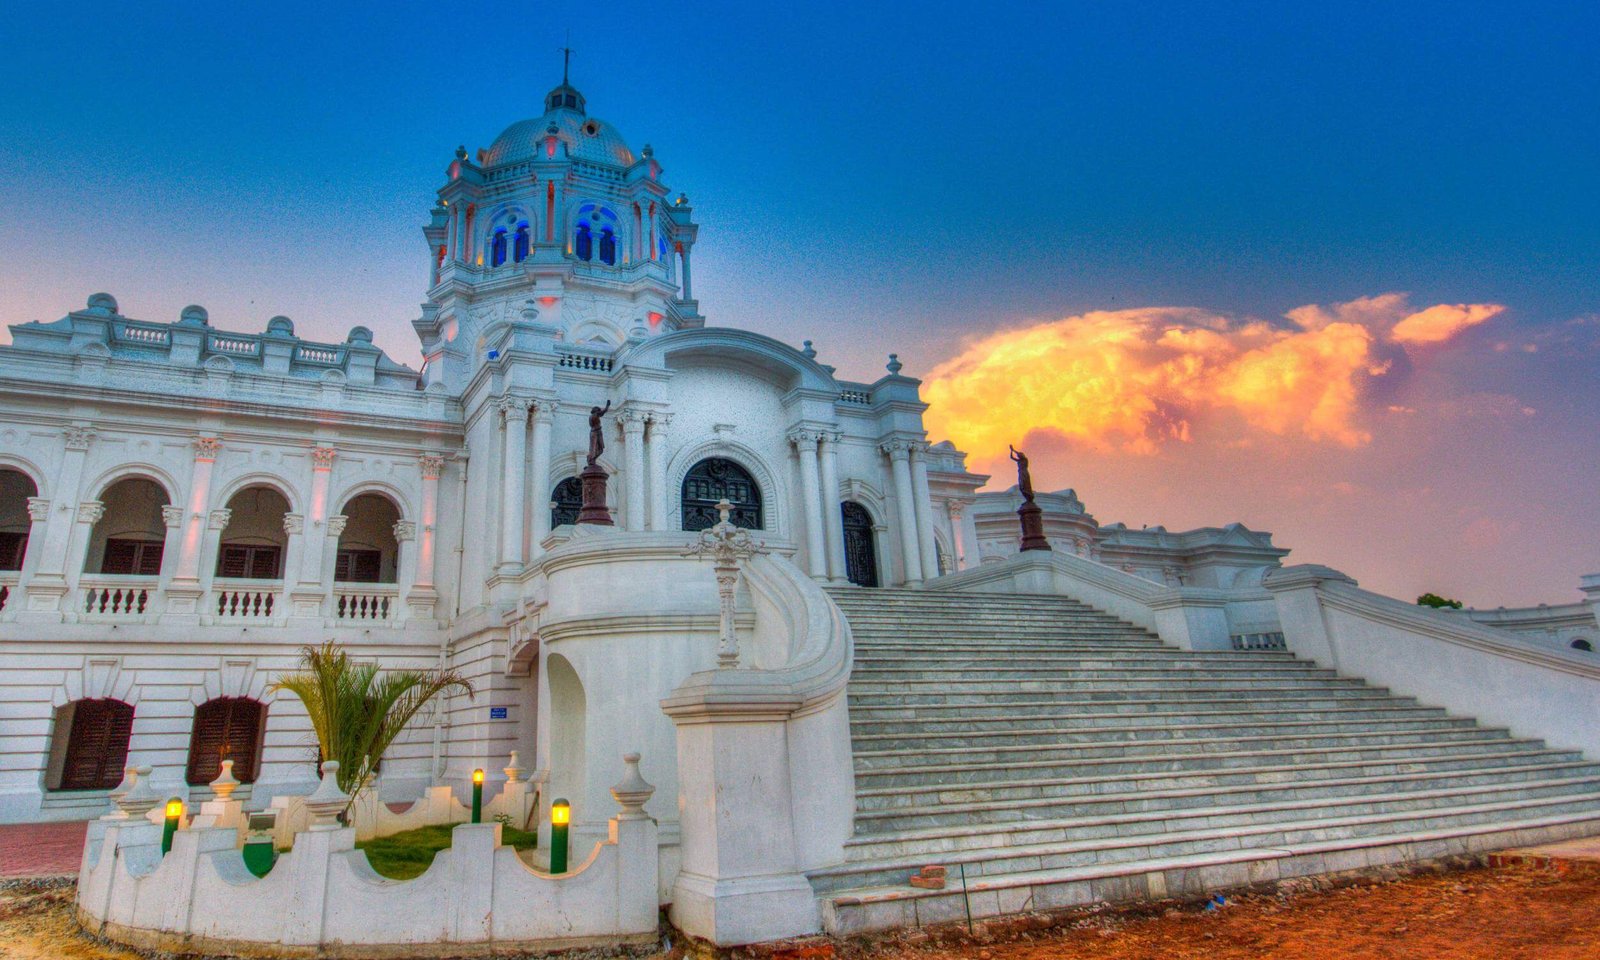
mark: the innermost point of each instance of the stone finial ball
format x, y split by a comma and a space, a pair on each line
281, 326
359, 335
103, 301
194, 314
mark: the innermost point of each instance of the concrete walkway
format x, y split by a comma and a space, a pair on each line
41, 849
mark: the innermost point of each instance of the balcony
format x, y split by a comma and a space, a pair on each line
246, 601
366, 602
116, 598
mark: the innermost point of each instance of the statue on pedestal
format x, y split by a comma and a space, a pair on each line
1031, 515
593, 474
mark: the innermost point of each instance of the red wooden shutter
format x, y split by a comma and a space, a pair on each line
120, 556
97, 745
233, 561
263, 563
149, 563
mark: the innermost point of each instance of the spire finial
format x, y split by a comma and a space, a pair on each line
566, 59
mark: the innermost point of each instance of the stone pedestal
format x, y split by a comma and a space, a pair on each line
1032, 527
594, 496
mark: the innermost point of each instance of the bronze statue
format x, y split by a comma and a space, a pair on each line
597, 440
1024, 479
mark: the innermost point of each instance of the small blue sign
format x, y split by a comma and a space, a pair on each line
497, 713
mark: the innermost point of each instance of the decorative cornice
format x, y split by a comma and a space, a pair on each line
172, 516
207, 448
322, 458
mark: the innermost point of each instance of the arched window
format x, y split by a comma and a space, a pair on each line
608, 246
1582, 644
715, 479
254, 541
16, 488
497, 248
583, 246
519, 246
565, 502
91, 744
860, 550
368, 551
227, 728
129, 536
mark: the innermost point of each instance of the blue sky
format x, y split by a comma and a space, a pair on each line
905, 177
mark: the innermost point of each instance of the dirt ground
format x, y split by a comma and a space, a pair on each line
1515, 912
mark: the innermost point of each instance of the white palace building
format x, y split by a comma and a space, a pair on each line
1130, 713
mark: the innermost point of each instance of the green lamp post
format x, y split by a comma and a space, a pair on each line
170, 828
560, 816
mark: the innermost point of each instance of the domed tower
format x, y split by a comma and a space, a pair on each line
560, 226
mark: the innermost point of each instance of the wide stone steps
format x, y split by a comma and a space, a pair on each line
1006, 782
1056, 752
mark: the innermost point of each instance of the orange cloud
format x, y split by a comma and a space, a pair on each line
1137, 379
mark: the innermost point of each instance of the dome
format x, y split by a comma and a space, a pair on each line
587, 138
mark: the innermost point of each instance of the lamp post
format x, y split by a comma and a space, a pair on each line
477, 795
174, 814
560, 815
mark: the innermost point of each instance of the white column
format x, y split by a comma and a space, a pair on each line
206, 450
924, 511
216, 522
633, 421
543, 418
294, 548
656, 451
431, 465
513, 494
805, 441
38, 522
312, 567
49, 584
89, 514
329, 547
405, 531
832, 519
958, 536
688, 293
172, 519
899, 452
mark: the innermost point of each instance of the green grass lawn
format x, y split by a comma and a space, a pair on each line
402, 856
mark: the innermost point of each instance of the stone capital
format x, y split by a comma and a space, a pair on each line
336, 524
79, 437
172, 516
219, 518
544, 410
511, 407
90, 511
431, 465
896, 449
322, 458
294, 523
206, 448
803, 438
405, 530
38, 509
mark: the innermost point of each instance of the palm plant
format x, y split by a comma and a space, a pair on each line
357, 710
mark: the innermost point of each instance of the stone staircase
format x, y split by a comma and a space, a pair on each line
1060, 756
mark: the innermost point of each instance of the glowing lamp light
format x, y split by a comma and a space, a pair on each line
174, 808
477, 776
477, 795
560, 816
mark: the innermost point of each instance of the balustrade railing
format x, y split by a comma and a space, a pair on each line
366, 601
1259, 641
246, 599
117, 597
585, 361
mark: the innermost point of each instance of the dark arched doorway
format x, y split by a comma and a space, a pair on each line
860, 553
715, 479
